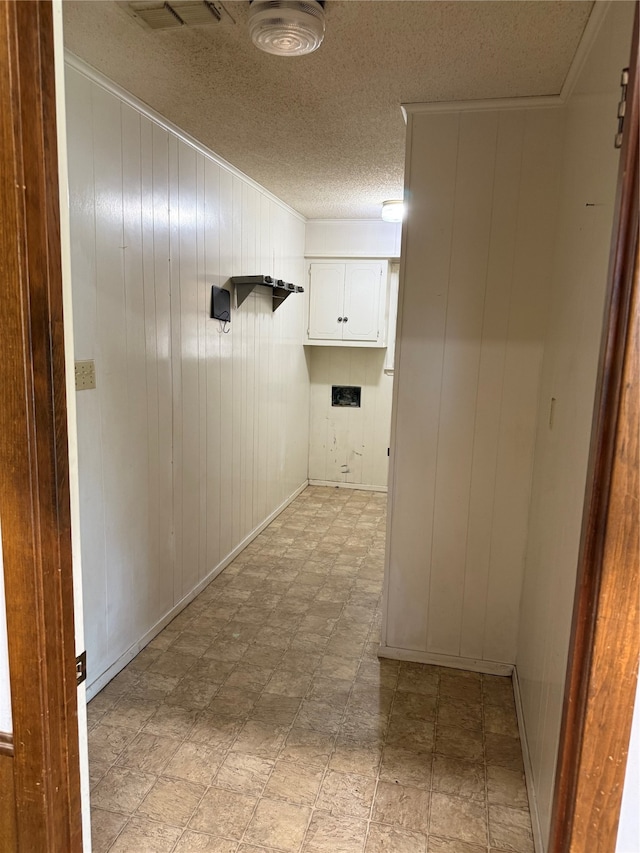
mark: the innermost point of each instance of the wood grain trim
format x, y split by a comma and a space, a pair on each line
34, 481
6, 744
8, 836
605, 639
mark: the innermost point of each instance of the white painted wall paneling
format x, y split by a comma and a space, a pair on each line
578, 280
349, 445
72, 432
628, 839
192, 438
6, 723
476, 258
352, 238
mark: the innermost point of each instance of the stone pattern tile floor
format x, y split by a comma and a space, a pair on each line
261, 719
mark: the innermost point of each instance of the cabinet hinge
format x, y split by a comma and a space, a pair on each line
81, 668
622, 106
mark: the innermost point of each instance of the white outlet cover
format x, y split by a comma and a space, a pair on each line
85, 375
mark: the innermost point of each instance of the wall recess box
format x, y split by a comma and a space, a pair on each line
346, 395
85, 375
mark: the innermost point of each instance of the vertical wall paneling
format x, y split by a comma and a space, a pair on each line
420, 343
346, 445
528, 313
477, 257
227, 424
203, 316
492, 357
157, 273
578, 279
192, 437
213, 358
83, 263
461, 356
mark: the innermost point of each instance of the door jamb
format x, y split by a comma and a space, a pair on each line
34, 475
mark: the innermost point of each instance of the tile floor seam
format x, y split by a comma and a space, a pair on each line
484, 763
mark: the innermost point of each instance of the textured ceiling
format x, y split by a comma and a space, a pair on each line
324, 132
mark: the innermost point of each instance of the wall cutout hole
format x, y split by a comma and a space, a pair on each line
346, 395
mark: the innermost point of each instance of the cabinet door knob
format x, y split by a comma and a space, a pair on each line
344, 319
339, 319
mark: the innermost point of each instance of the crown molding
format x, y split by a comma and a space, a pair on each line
108, 85
589, 34
587, 40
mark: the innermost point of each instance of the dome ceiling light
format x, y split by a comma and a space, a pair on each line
287, 27
393, 211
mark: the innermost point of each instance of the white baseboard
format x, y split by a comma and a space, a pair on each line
358, 486
105, 677
528, 768
490, 667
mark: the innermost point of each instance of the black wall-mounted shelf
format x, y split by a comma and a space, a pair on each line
244, 284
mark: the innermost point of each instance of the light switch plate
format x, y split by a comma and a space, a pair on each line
85, 375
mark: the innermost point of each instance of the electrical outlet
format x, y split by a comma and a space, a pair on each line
85, 375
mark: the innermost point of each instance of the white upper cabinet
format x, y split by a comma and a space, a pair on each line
347, 303
326, 301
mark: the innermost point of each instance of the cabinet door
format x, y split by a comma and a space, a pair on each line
362, 289
326, 301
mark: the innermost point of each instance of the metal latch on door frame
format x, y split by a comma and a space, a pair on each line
622, 106
81, 668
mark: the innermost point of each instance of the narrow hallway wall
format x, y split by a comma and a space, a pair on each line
474, 289
192, 437
589, 174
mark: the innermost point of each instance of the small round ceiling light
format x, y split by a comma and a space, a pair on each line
286, 27
393, 211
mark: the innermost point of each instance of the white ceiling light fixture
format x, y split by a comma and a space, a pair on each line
393, 211
287, 27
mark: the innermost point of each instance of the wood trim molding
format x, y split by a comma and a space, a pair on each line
34, 482
8, 839
489, 667
605, 637
598, 13
543, 102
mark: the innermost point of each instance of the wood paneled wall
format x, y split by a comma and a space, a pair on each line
474, 286
572, 344
192, 437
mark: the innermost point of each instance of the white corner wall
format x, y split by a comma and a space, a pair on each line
473, 301
352, 238
349, 446
192, 437
628, 840
6, 724
589, 172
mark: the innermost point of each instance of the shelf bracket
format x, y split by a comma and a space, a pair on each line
244, 284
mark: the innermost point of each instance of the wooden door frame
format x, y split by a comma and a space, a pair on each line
34, 489
34, 454
602, 669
